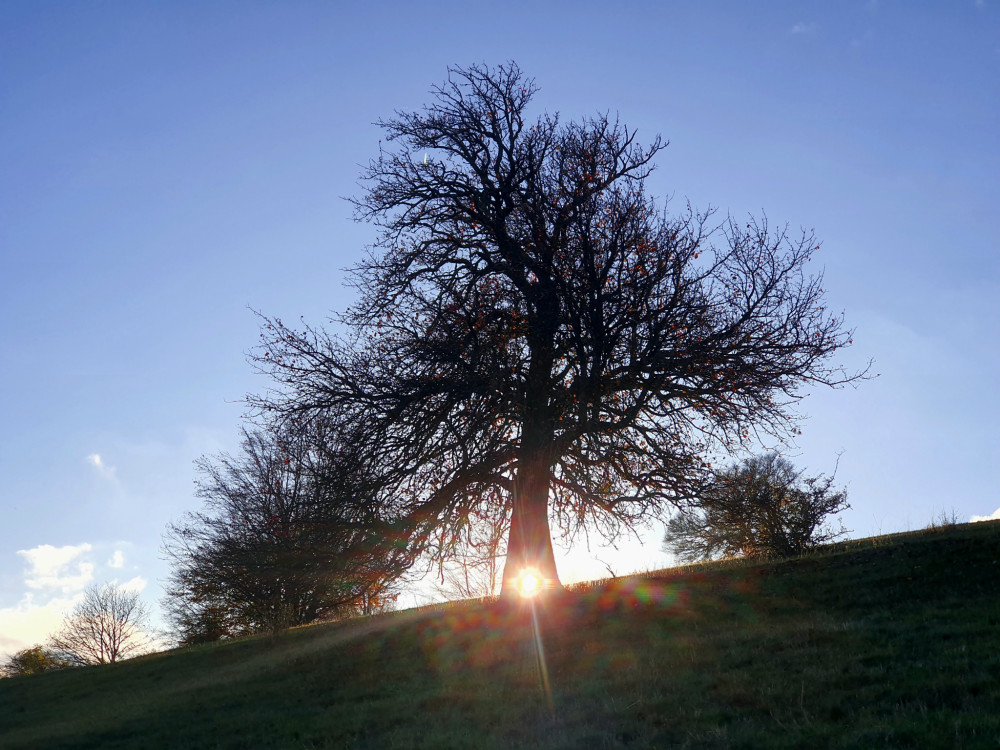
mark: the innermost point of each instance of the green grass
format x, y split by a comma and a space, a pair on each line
885, 642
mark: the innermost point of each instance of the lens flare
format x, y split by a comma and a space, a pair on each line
529, 583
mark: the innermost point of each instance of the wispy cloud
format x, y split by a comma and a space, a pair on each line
57, 567
804, 28
117, 559
994, 516
95, 460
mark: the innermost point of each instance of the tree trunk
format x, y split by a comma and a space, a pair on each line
530, 542
529, 545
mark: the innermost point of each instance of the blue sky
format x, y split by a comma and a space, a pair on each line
166, 167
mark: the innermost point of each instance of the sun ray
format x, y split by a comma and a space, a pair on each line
543, 670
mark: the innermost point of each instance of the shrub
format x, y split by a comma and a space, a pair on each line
762, 508
31, 661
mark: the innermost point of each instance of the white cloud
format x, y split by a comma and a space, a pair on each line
28, 623
804, 28
994, 516
54, 581
136, 584
57, 567
95, 460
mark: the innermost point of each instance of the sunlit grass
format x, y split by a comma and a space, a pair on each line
890, 642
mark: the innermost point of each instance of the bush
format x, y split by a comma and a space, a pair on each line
31, 661
762, 508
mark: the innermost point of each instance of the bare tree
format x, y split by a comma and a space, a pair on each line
536, 339
475, 568
762, 508
110, 624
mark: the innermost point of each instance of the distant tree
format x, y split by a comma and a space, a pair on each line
31, 661
536, 338
475, 568
268, 551
111, 623
372, 602
762, 508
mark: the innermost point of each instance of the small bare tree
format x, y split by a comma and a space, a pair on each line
108, 625
474, 568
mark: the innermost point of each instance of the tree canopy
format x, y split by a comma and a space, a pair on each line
537, 339
760, 508
269, 548
31, 660
109, 624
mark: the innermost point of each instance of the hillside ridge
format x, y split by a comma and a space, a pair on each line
892, 641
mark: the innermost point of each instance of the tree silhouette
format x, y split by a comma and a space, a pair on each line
535, 338
267, 551
760, 508
109, 624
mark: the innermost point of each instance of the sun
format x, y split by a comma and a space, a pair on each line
529, 583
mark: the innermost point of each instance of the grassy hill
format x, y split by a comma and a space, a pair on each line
885, 642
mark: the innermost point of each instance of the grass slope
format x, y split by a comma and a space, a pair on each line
886, 642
